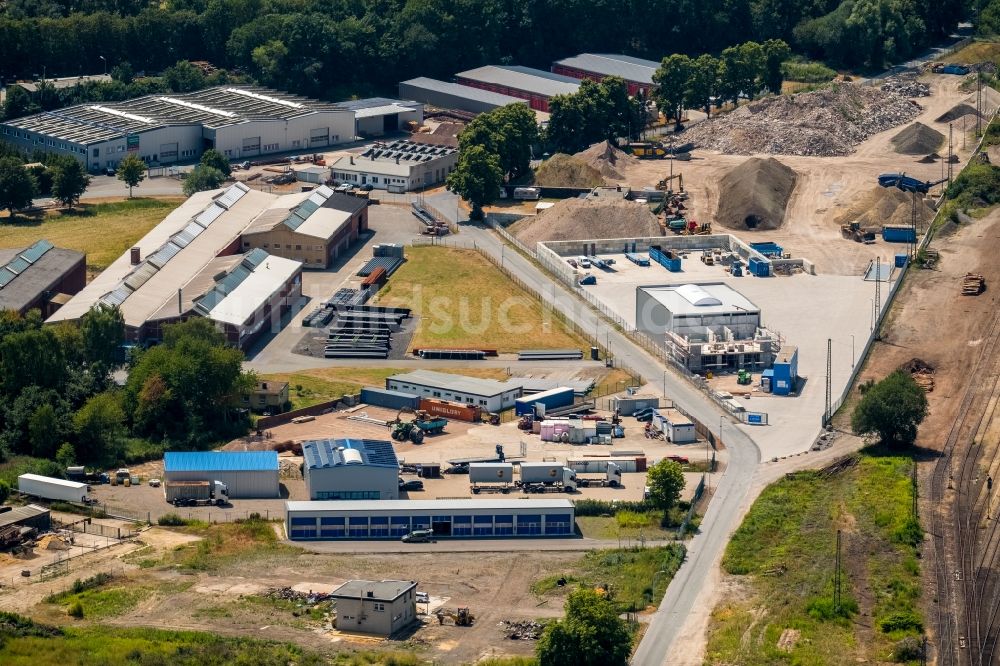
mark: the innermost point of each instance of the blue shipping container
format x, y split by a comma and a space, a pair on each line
901, 260
899, 234
759, 268
552, 399
768, 249
785, 371
389, 399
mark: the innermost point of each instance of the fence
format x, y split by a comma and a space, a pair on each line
87, 526
313, 410
698, 492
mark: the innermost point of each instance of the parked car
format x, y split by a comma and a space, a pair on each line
644, 414
415, 484
110, 171
367, 187
679, 459
423, 598
418, 536
154, 482
457, 469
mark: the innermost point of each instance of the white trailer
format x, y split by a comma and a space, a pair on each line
601, 465
612, 478
491, 477
50, 488
196, 493
545, 476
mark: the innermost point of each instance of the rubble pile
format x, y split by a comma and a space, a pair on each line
288, 594
906, 85
826, 123
521, 630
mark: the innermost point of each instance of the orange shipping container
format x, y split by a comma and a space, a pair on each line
451, 410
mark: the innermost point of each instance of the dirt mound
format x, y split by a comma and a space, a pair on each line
956, 112
573, 219
755, 194
828, 122
915, 365
917, 139
929, 159
607, 159
885, 205
562, 170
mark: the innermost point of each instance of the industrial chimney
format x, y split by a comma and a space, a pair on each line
136, 255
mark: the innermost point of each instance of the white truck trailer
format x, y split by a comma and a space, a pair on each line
491, 477
50, 488
540, 477
612, 478
196, 493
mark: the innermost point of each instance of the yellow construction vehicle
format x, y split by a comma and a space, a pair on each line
648, 151
664, 185
462, 617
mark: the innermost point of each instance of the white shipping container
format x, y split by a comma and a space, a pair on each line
47, 487
541, 472
491, 473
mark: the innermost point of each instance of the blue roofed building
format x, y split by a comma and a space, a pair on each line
350, 469
248, 474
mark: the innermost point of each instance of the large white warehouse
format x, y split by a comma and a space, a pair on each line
239, 121
350, 469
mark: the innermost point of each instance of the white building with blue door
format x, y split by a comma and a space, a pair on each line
462, 518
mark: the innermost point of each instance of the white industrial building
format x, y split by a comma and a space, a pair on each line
381, 607
489, 394
398, 166
706, 327
467, 518
248, 474
239, 121
445, 95
676, 427
378, 116
350, 469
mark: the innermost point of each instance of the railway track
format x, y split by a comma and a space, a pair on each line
965, 532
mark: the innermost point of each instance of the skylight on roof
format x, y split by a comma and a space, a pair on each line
122, 114
197, 107
265, 98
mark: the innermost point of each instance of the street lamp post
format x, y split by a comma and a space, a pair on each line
664, 383
105, 64
852, 351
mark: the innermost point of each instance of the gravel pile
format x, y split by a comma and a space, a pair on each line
906, 85
828, 122
562, 170
607, 159
885, 205
575, 219
957, 112
755, 194
917, 139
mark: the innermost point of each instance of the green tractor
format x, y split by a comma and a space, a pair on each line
403, 431
744, 378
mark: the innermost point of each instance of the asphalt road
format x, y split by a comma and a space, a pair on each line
395, 547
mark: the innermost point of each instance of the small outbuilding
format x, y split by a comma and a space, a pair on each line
381, 607
676, 427
30, 515
350, 469
248, 474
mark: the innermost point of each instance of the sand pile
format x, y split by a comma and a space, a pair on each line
885, 205
607, 159
826, 122
563, 170
957, 112
573, 219
754, 195
917, 139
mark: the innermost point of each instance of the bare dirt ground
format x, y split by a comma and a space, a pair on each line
825, 186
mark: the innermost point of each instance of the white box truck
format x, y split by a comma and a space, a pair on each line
540, 477
196, 493
612, 478
50, 488
491, 477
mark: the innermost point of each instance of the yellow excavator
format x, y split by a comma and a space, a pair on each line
462, 616
664, 185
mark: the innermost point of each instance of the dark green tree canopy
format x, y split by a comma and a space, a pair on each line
203, 178
69, 181
666, 481
17, 187
216, 160
477, 178
892, 409
131, 171
591, 634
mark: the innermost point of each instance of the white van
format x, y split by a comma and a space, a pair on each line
583, 261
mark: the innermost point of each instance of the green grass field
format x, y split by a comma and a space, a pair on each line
464, 301
784, 555
310, 387
101, 230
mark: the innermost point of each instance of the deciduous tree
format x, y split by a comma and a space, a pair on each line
671, 79
16, 185
892, 409
203, 178
69, 181
591, 634
131, 171
477, 178
216, 160
666, 481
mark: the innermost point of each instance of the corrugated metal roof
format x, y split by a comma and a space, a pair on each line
220, 461
22, 513
441, 380
465, 92
322, 453
607, 64
525, 79
382, 590
370, 506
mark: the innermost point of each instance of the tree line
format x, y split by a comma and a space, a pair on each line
58, 400
332, 50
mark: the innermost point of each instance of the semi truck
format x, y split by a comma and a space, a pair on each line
196, 493
491, 477
612, 478
540, 477
50, 488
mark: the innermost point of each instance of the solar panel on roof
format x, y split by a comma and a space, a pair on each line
116, 297
187, 234
227, 284
232, 195
164, 254
35, 252
209, 215
6, 277
324, 191
140, 276
18, 265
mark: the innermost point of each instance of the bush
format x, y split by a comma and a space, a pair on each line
977, 185
591, 507
909, 649
171, 520
910, 533
75, 610
807, 72
901, 620
822, 608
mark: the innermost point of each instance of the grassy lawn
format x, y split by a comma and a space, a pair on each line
636, 577
784, 554
25, 643
102, 230
625, 525
975, 52
324, 384
464, 301
226, 546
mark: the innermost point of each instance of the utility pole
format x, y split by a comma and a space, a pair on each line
950, 150
878, 293
828, 414
912, 245
836, 579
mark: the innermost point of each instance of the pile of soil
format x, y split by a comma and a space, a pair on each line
922, 373
562, 170
929, 159
574, 219
885, 205
828, 122
917, 139
754, 195
957, 112
609, 160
